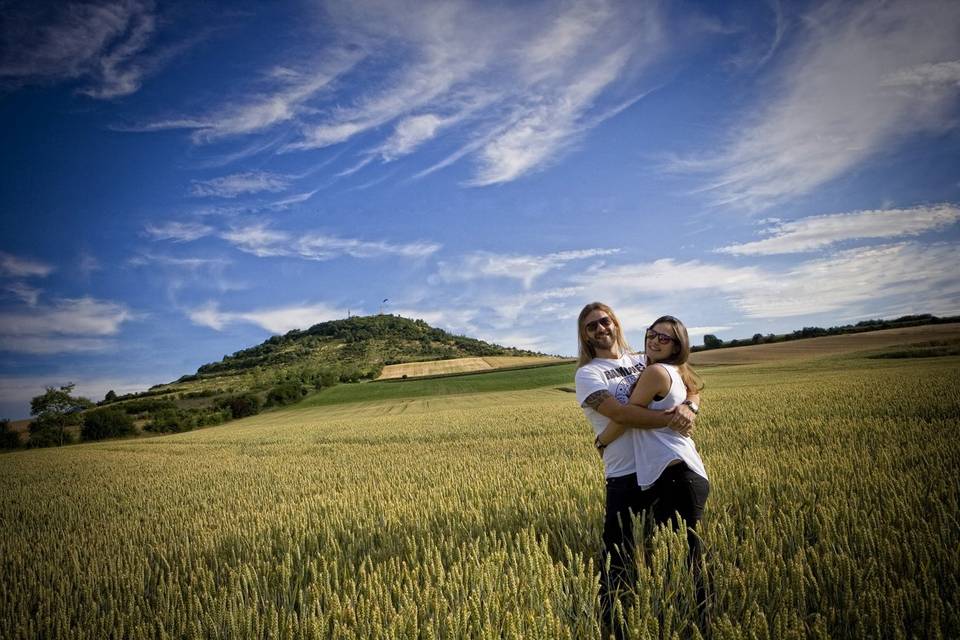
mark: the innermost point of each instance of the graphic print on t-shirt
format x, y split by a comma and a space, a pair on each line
625, 388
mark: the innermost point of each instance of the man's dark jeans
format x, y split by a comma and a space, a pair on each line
677, 490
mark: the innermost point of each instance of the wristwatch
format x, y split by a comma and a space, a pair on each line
693, 406
599, 445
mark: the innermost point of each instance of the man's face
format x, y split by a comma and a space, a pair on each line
600, 330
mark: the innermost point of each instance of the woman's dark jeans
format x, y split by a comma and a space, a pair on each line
677, 490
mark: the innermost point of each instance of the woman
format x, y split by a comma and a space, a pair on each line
669, 476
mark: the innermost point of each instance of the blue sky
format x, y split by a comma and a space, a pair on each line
180, 181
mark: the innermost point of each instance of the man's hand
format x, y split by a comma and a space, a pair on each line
682, 420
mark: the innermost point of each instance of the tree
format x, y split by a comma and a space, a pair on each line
55, 410
711, 341
110, 397
757, 338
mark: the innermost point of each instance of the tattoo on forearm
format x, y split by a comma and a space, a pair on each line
596, 398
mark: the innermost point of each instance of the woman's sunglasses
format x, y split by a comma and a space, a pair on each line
605, 321
662, 338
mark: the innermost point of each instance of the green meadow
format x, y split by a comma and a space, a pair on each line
470, 507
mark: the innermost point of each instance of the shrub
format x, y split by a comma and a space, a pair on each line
149, 405
9, 439
170, 420
106, 423
241, 406
285, 393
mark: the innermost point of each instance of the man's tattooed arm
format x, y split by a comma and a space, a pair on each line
596, 398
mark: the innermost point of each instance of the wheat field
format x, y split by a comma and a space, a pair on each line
833, 513
459, 365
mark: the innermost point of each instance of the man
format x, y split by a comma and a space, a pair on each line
606, 374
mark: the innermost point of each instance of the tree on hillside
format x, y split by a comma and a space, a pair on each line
55, 410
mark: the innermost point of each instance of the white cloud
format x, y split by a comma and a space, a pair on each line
525, 268
323, 247
285, 100
277, 320
452, 319
296, 198
77, 324
815, 232
855, 277
27, 294
101, 44
239, 184
538, 131
851, 279
15, 266
77, 316
263, 242
258, 240
925, 75
865, 77
47, 345
178, 231
193, 263
698, 332
410, 133
666, 276
88, 264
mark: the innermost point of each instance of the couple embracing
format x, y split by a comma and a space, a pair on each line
642, 408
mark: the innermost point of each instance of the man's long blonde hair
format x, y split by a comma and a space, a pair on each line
586, 350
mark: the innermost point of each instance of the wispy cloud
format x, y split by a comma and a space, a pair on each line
25, 293
525, 268
276, 320
19, 267
178, 231
103, 45
239, 184
147, 258
87, 264
816, 232
284, 97
520, 83
264, 242
77, 324
864, 77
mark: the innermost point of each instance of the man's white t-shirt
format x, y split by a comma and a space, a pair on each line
617, 376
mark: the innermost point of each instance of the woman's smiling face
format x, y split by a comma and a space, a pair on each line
661, 342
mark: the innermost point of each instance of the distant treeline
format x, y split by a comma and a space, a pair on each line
713, 342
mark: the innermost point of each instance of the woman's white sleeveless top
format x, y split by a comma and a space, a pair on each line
656, 448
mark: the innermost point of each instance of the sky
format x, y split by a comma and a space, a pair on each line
183, 180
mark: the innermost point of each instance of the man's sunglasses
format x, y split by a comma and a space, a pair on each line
662, 338
605, 321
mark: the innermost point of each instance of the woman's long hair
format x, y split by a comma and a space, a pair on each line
679, 359
587, 352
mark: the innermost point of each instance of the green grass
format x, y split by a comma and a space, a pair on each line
487, 382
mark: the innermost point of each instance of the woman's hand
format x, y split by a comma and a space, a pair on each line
682, 420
